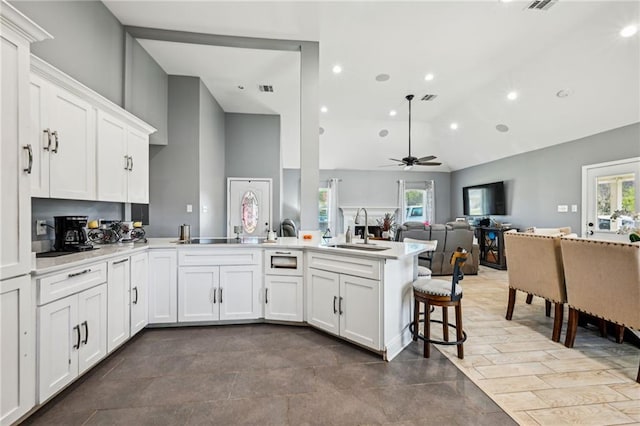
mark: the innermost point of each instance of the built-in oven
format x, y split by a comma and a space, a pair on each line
283, 262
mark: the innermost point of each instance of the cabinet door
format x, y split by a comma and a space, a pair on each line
118, 314
39, 136
58, 340
197, 293
240, 292
15, 208
283, 298
138, 148
359, 308
92, 318
113, 162
322, 299
139, 286
72, 165
163, 286
17, 349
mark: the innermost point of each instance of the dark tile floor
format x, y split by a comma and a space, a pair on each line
267, 374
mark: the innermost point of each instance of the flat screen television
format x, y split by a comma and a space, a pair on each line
484, 200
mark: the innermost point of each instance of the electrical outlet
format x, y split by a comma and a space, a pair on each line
574, 208
189, 208
41, 227
205, 209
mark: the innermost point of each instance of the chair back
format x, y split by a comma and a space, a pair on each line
535, 265
458, 258
603, 279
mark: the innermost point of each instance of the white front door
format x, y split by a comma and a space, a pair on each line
249, 207
608, 187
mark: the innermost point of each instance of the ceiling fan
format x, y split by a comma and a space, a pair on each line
409, 161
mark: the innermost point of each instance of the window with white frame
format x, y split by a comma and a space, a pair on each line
323, 208
615, 193
419, 202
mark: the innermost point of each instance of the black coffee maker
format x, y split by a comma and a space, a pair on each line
71, 233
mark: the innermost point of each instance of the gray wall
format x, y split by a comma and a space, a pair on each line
367, 188
47, 208
212, 167
174, 169
88, 43
537, 181
253, 150
147, 90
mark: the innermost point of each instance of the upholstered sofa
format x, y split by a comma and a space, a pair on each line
449, 237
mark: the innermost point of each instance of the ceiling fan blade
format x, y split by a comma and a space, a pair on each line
427, 158
428, 163
395, 159
391, 165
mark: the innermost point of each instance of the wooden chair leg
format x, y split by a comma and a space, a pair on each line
602, 326
547, 308
529, 298
459, 335
557, 321
416, 318
619, 333
638, 378
572, 328
427, 329
511, 303
445, 323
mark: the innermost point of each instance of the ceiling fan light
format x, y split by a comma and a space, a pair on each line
408, 167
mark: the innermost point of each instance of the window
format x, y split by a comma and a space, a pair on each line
419, 202
323, 208
615, 193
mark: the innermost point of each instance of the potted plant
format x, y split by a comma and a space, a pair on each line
387, 224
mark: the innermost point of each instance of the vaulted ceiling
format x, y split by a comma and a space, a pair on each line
572, 72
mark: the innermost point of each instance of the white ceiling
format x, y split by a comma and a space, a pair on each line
477, 50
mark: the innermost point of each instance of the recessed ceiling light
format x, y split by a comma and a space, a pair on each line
323, 109
454, 126
512, 96
337, 69
393, 113
383, 133
628, 31
321, 130
563, 93
502, 128
429, 77
505, 1
382, 77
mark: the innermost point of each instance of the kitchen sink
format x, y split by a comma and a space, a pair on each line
365, 247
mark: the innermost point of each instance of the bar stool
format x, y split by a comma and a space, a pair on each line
434, 292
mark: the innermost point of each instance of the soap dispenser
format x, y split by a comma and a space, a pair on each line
348, 236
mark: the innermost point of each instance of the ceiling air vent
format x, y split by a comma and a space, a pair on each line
428, 97
541, 4
266, 88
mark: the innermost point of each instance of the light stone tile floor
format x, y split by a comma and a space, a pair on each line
537, 381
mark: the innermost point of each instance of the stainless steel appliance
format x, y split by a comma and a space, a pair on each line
71, 233
184, 232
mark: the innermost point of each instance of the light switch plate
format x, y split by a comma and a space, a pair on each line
574, 208
563, 208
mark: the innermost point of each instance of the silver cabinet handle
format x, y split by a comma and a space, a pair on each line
340, 306
55, 136
30, 151
75, 274
131, 166
121, 261
266, 296
335, 311
48, 132
126, 162
220, 294
283, 252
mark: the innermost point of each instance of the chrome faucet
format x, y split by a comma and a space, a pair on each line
365, 233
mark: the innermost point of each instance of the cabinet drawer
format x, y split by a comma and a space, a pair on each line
71, 281
204, 257
366, 268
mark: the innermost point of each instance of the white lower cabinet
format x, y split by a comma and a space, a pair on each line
139, 292
283, 298
345, 305
17, 349
72, 337
118, 283
163, 286
212, 293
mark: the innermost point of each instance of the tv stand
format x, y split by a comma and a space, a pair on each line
491, 242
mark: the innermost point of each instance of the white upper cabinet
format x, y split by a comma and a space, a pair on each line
85, 146
123, 161
16, 152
